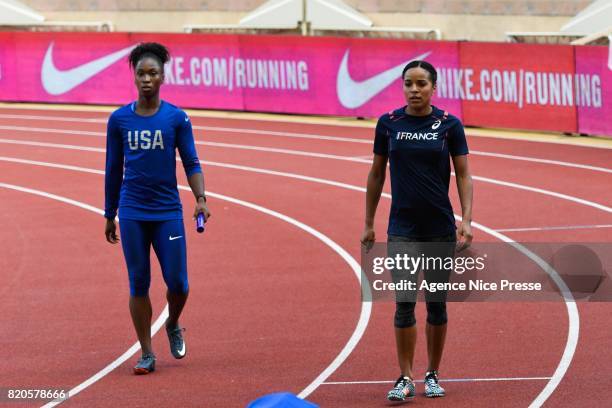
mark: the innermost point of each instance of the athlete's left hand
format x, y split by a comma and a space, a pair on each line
464, 236
201, 208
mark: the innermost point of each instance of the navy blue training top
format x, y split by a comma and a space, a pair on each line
145, 146
419, 150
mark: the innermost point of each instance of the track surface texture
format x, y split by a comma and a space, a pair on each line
275, 296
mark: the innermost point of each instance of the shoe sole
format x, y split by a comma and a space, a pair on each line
142, 371
435, 395
397, 403
396, 399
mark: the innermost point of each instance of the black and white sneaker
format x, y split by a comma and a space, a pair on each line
177, 343
432, 388
145, 365
402, 390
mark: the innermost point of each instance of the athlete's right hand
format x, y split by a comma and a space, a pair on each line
110, 231
368, 238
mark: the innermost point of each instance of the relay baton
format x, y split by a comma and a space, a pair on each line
200, 220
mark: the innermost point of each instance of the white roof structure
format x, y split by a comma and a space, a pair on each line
595, 18
321, 14
13, 12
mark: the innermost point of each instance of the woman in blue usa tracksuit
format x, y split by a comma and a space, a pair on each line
142, 138
419, 140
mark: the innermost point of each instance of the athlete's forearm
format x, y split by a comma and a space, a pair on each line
196, 182
464, 186
376, 181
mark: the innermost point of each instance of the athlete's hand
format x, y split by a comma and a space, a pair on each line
368, 238
110, 231
464, 236
201, 208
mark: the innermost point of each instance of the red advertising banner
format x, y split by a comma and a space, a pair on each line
335, 76
485, 84
524, 86
594, 90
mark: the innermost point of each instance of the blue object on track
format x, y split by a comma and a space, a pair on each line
281, 400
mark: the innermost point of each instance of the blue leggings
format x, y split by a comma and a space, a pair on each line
168, 240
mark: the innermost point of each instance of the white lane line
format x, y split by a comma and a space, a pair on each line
49, 130
204, 128
573, 316
572, 310
198, 127
545, 192
287, 134
443, 380
479, 178
358, 159
51, 196
284, 151
213, 144
368, 160
54, 165
159, 322
275, 119
335, 157
543, 161
54, 118
136, 346
366, 307
209, 163
284, 134
564, 227
53, 145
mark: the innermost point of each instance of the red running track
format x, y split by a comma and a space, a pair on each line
271, 305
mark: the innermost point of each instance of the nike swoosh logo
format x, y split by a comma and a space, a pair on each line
171, 238
57, 82
354, 94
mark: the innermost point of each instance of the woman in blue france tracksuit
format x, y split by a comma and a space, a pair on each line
142, 138
419, 140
